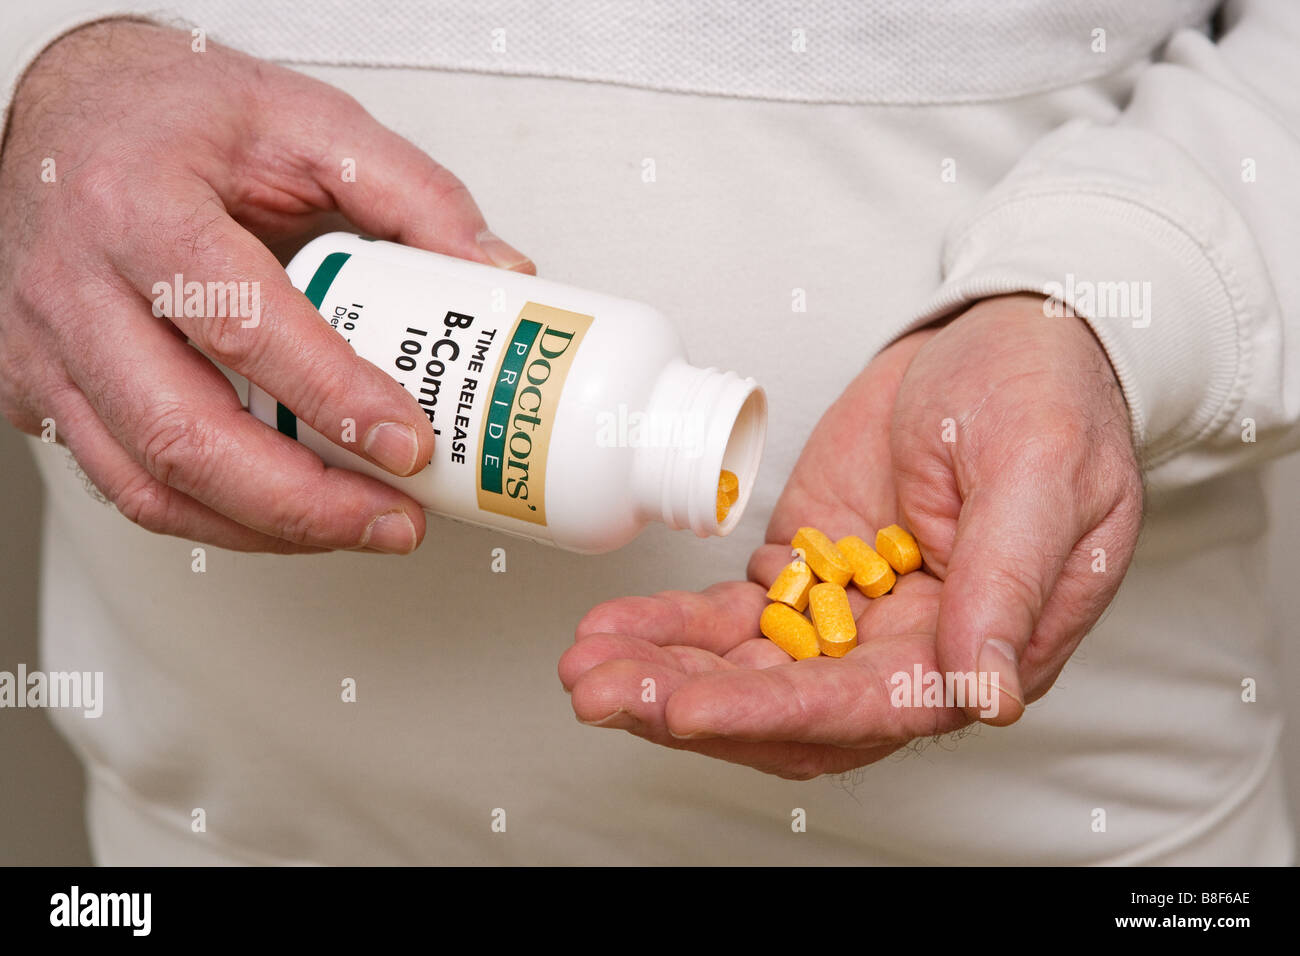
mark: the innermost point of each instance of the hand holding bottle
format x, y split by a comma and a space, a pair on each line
114, 182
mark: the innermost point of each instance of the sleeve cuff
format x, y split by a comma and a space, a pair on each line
1167, 310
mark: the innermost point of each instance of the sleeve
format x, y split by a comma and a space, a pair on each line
30, 27
1175, 233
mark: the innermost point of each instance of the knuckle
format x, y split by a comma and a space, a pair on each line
1126, 516
1016, 581
33, 281
173, 445
1045, 441
447, 188
274, 545
1133, 496
1122, 467
228, 342
346, 105
1124, 481
301, 523
322, 391
1061, 454
98, 187
803, 767
1109, 481
145, 502
1056, 443
439, 182
202, 230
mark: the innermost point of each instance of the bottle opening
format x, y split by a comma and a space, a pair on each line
719, 422
744, 450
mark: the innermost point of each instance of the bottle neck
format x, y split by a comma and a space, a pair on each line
699, 421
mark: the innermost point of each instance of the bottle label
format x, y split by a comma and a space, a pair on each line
516, 437
486, 367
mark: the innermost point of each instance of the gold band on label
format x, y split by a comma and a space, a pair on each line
520, 414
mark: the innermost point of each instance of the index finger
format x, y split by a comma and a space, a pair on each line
284, 345
717, 619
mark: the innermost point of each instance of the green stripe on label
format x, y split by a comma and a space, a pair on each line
320, 283
503, 398
286, 421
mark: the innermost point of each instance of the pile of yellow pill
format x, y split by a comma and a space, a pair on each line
816, 579
728, 492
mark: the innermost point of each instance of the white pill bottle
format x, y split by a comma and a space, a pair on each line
561, 415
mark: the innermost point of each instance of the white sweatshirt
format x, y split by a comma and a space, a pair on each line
894, 161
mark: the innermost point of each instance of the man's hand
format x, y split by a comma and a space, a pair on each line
1002, 441
130, 159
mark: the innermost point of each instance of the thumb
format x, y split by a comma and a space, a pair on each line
1012, 541
398, 192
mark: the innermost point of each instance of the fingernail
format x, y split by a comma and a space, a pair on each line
501, 253
620, 720
998, 669
394, 445
392, 532
694, 735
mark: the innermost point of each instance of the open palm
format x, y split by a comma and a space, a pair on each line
722, 689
